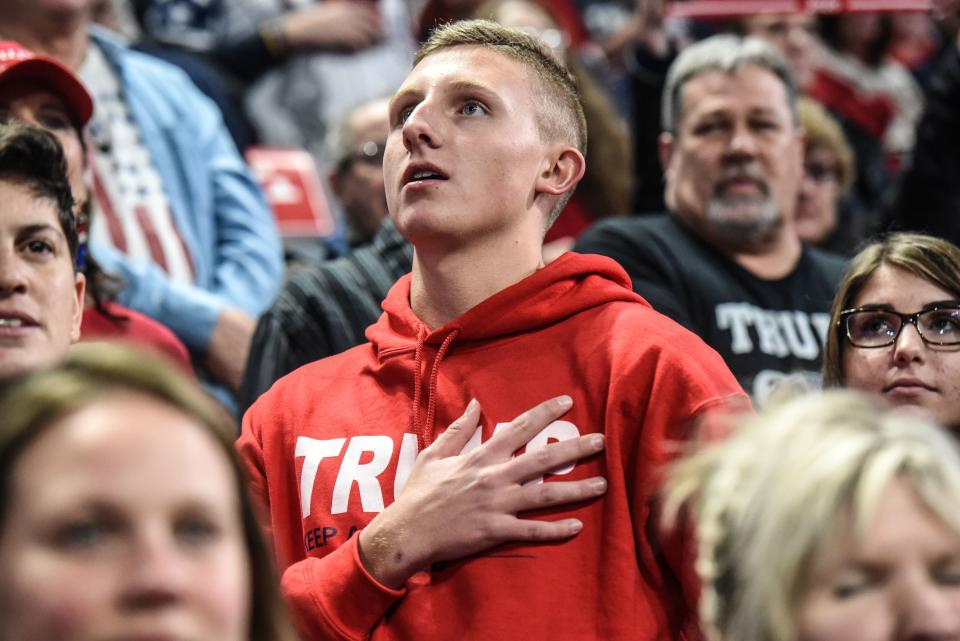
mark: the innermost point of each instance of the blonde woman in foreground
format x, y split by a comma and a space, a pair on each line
824, 519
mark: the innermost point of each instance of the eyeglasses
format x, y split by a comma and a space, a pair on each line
870, 328
369, 153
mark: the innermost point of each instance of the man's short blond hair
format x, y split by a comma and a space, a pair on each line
560, 109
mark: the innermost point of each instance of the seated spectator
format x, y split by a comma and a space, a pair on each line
356, 178
177, 215
41, 291
324, 309
903, 280
145, 530
606, 185
726, 261
823, 219
828, 518
38, 91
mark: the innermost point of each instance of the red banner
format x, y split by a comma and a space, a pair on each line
728, 8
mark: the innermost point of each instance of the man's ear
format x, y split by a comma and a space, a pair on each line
563, 174
80, 288
665, 150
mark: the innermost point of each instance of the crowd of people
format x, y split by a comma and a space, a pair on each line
633, 331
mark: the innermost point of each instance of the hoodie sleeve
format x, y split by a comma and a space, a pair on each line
330, 597
334, 597
691, 392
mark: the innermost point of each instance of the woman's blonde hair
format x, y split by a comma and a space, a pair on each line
771, 501
932, 259
92, 372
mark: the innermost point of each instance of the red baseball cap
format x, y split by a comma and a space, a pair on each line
19, 64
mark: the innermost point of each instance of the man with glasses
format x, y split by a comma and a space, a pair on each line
356, 149
727, 261
324, 309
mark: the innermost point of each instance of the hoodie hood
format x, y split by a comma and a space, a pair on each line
569, 285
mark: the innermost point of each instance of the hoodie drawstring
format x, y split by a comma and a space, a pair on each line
426, 431
434, 375
417, 362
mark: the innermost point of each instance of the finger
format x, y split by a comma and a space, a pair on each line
520, 430
540, 495
553, 455
514, 529
452, 440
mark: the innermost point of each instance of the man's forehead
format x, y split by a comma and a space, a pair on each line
750, 87
464, 65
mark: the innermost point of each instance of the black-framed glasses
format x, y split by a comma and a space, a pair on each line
868, 328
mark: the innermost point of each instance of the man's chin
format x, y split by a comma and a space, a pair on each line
742, 223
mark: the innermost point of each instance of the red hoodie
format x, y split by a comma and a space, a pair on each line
332, 443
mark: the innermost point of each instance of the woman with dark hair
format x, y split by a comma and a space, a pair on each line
39, 91
145, 529
895, 326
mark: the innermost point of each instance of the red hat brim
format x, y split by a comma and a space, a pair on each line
47, 72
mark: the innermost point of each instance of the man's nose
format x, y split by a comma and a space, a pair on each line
743, 142
421, 127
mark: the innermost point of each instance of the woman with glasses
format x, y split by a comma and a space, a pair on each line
895, 326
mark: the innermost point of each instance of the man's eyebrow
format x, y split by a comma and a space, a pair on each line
400, 95
472, 85
460, 86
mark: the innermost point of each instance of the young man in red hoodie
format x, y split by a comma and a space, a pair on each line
469, 540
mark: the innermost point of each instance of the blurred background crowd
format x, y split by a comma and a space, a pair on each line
212, 170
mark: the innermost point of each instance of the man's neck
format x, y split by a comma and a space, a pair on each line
60, 36
775, 260
447, 284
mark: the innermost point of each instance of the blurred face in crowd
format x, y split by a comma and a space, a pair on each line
123, 529
733, 166
794, 34
41, 296
900, 581
358, 182
909, 372
465, 157
33, 105
816, 214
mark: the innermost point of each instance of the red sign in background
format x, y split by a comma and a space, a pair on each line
290, 181
726, 8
